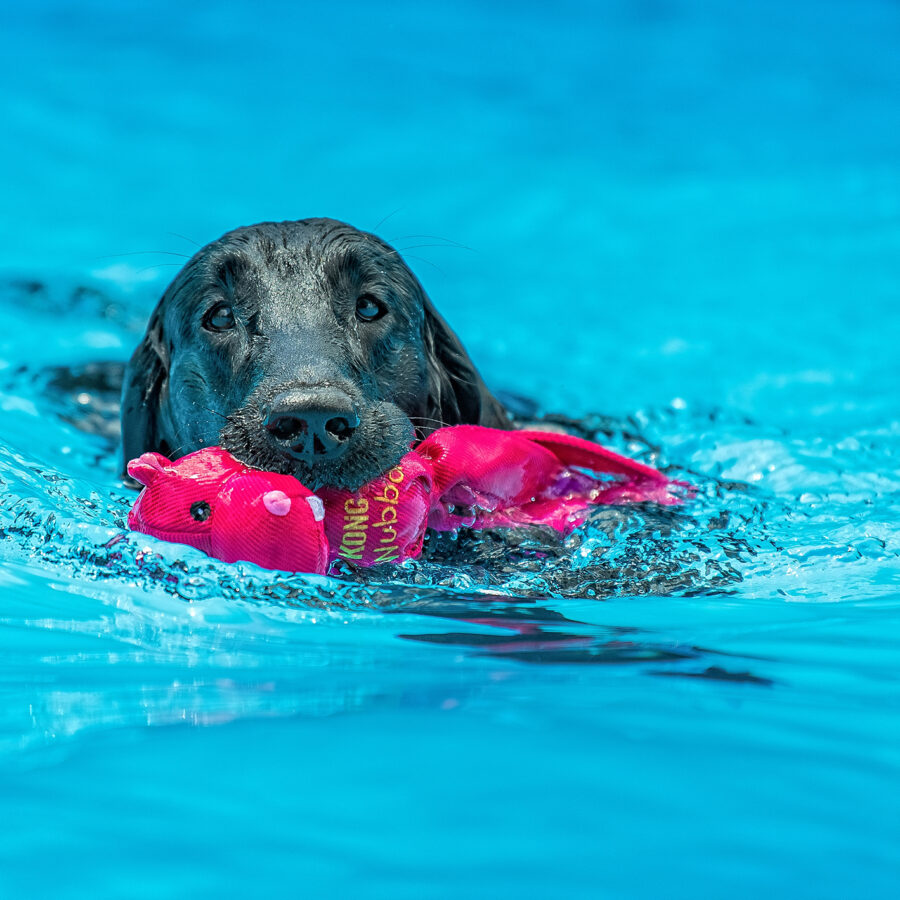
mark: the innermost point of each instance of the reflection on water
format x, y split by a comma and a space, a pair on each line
538, 634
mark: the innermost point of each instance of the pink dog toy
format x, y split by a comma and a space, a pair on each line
463, 476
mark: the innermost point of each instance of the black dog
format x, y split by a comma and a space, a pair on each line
307, 348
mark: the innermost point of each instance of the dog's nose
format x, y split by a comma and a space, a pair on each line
312, 423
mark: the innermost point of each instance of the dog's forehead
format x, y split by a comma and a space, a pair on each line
298, 260
308, 263
292, 249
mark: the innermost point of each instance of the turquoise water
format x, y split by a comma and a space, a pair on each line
680, 223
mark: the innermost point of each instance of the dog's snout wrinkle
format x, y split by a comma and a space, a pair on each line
311, 423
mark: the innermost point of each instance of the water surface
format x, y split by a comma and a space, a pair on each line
683, 230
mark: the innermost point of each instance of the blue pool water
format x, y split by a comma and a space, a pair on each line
681, 220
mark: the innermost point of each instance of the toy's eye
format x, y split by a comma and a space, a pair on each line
369, 308
200, 511
219, 318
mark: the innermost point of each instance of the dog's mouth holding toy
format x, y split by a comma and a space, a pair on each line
335, 444
461, 476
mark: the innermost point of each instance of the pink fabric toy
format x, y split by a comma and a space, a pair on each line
463, 476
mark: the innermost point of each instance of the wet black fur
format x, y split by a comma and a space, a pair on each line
293, 287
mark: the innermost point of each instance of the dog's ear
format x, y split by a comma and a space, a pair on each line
145, 380
456, 392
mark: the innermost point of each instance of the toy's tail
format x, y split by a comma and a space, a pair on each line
574, 451
488, 479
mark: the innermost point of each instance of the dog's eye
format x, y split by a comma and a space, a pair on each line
369, 308
219, 318
200, 511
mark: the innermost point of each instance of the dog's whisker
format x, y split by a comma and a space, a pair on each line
184, 238
176, 452
144, 253
156, 266
431, 237
388, 216
215, 412
425, 420
427, 262
419, 246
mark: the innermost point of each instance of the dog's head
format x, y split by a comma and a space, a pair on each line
307, 348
